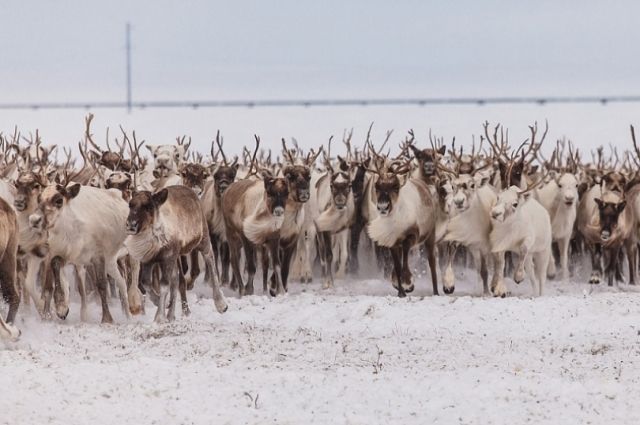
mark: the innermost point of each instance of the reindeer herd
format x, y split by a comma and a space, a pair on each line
122, 225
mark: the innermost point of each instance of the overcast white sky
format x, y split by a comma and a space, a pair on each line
74, 51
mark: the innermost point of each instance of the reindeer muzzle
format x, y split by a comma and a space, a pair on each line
303, 195
278, 211
605, 235
20, 204
133, 227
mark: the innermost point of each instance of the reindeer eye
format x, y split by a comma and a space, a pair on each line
515, 204
559, 185
177, 156
155, 155
59, 201
36, 186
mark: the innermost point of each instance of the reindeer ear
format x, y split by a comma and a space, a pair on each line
159, 198
599, 201
72, 190
621, 206
150, 147
534, 169
442, 150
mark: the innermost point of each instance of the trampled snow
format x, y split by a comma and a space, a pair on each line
356, 354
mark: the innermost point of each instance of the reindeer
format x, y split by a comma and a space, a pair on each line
224, 174
406, 217
31, 242
162, 226
8, 258
84, 226
336, 207
520, 224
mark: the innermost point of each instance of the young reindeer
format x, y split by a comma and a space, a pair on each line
336, 207
406, 217
163, 226
520, 224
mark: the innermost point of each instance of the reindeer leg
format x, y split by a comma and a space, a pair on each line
224, 260
563, 245
101, 283
274, 259
81, 277
47, 288
136, 299
396, 255
449, 276
10, 291
33, 267
407, 279
264, 256
497, 282
355, 230
596, 264
250, 256
632, 257
211, 278
484, 274
326, 259
62, 306
114, 272
235, 245
194, 269
171, 277
523, 255
430, 248
287, 256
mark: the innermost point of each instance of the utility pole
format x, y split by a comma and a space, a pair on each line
128, 67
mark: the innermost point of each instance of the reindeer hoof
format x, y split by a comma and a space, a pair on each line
401, 294
190, 283
107, 321
449, 290
594, 280
62, 313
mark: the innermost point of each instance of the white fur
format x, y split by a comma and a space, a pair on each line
526, 230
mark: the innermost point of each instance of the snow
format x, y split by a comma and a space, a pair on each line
354, 355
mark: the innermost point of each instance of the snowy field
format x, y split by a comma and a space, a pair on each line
353, 355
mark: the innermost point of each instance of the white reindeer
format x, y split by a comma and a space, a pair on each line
520, 224
560, 198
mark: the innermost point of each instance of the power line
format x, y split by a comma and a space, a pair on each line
272, 103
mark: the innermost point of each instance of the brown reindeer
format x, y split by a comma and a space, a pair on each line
8, 257
163, 226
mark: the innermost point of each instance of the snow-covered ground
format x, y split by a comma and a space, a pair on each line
356, 355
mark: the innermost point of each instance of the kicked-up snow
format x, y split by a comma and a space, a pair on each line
353, 355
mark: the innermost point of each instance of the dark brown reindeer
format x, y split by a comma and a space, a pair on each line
8, 259
163, 226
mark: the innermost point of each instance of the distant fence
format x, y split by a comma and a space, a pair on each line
195, 104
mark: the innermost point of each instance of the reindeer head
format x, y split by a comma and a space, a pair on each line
463, 190
298, 178
194, 177
51, 202
119, 180
428, 159
143, 208
508, 204
277, 190
614, 181
609, 213
387, 190
28, 187
224, 176
567, 188
340, 189
167, 159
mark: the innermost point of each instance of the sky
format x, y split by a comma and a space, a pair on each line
243, 50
